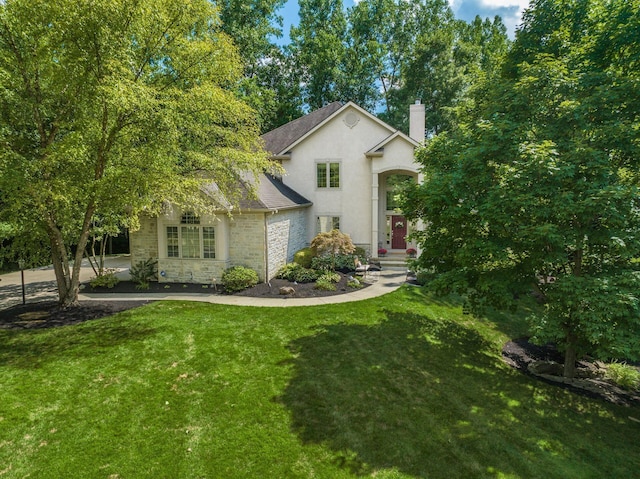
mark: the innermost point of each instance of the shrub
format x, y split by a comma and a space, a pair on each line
238, 278
288, 271
108, 279
333, 243
143, 272
341, 262
330, 276
325, 284
304, 257
360, 252
623, 375
304, 275
354, 283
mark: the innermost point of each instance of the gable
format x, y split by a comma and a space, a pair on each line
282, 140
278, 141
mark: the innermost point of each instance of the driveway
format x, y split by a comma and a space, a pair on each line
40, 283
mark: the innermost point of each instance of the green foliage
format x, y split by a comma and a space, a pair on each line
143, 272
304, 257
330, 276
339, 262
332, 244
107, 279
624, 375
325, 284
305, 275
295, 272
355, 284
535, 182
238, 278
76, 121
360, 252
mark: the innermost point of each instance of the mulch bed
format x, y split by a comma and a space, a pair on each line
520, 353
261, 290
46, 314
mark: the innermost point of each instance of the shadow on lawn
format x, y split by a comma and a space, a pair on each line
432, 399
32, 348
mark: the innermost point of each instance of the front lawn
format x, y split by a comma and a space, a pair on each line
400, 386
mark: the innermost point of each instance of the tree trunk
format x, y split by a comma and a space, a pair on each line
570, 355
68, 279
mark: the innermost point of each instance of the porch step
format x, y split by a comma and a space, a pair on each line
393, 261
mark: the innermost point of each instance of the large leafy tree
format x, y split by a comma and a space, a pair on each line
318, 48
109, 108
536, 189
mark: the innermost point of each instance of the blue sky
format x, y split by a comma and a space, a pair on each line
509, 10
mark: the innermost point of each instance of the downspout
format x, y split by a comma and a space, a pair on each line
266, 251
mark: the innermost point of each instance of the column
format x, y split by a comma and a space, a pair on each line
375, 216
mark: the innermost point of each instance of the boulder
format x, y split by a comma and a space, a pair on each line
286, 291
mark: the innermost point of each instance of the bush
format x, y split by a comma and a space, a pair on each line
623, 375
238, 278
304, 275
288, 271
360, 252
343, 263
108, 279
143, 272
304, 257
325, 284
330, 276
355, 284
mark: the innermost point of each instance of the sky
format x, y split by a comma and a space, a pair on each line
509, 10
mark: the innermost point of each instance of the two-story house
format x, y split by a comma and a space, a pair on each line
342, 167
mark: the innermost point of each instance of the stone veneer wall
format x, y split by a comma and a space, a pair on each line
143, 243
204, 271
247, 242
286, 234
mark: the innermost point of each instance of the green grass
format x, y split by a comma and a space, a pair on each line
396, 387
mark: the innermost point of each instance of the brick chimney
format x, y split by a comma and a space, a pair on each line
417, 121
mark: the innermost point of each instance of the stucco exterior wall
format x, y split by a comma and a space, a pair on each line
143, 243
286, 234
337, 141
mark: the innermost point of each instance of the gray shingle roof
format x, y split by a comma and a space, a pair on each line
272, 194
277, 141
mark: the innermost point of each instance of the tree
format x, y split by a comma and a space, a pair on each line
111, 107
318, 47
332, 243
266, 84
536, 189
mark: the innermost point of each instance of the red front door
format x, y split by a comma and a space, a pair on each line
398, 232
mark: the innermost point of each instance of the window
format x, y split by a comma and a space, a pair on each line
192, 241
173, 242
208, 242
328, 174
327, 223
395, 184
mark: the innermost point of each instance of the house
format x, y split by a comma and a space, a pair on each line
342, 165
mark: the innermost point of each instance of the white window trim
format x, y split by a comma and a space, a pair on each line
179, 226
332, 216
328, 162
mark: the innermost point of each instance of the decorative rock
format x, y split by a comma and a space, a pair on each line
286, 290
546, 367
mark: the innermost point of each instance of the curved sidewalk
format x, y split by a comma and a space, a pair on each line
40, 285
385, 282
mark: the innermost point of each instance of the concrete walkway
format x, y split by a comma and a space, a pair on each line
40, 285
